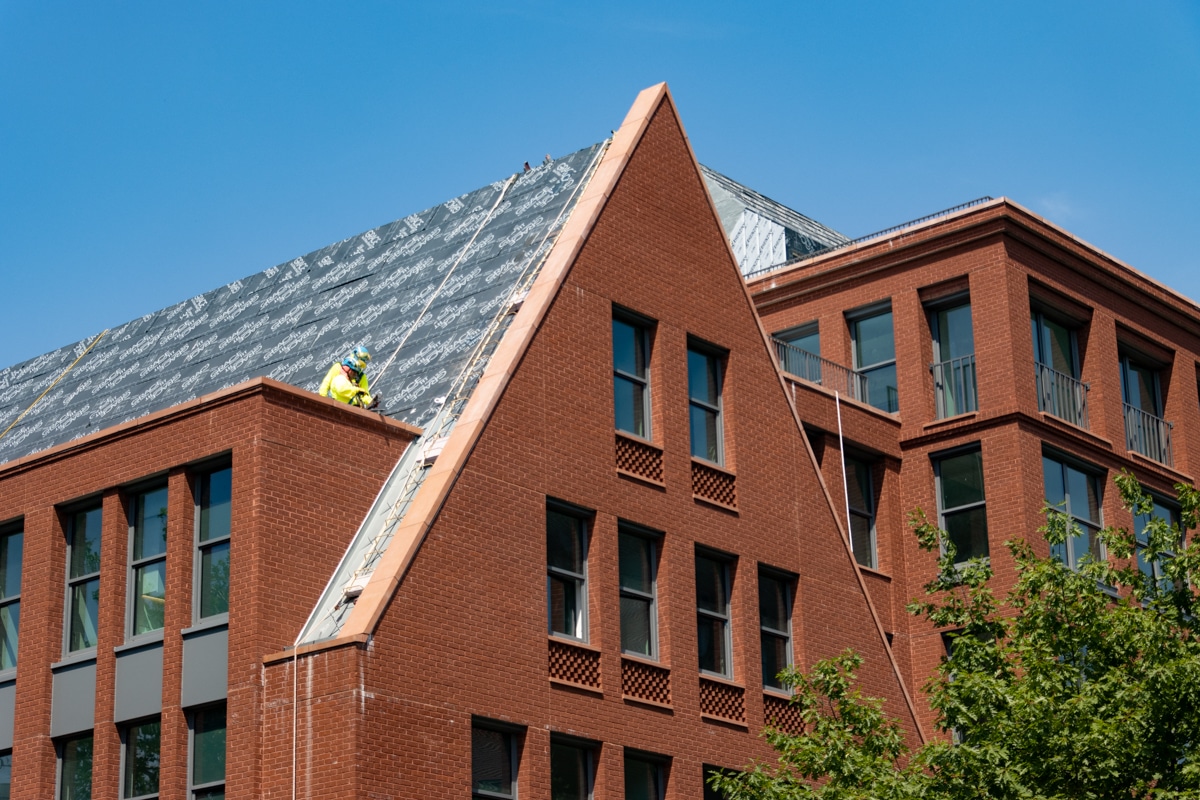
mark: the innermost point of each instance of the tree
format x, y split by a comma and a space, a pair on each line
1079, 683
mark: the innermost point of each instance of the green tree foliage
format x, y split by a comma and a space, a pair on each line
1077, 683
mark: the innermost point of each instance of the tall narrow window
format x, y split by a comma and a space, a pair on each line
775, 625
631, 376
953, 360
713, 638
215, 490
1146, 432
493, 763
148, 562
5, 774
83, 578
643, 777
709, 792
141, 749
1152, 569
11, 546
1076, 493
862, 511
566, 573
704, 405
639, 623
961, 503
1056, 362
875, 358
208, 754
570, 771
75, 769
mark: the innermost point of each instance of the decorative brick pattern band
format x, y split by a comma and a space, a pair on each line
723, 701
639, 458
779, 713
714, 485
573, 664
642, 681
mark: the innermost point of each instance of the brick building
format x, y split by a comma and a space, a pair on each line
217, 583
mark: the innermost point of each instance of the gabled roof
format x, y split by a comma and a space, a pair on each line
432, 282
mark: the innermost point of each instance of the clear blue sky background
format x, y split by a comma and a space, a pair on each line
150, 151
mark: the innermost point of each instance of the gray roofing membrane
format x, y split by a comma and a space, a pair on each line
292, 321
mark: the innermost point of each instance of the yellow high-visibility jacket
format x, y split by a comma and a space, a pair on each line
338, 386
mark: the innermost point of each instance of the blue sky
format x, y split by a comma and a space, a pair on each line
151, 151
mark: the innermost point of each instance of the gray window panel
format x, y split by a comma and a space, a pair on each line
643, 778
1140, 386
631, 377
713, 640
8, 711
75, 769
138, 690
73, 703
208, 753
11, 547
638, 606
775, 626
566, 574
213, 531
704, 409
1076, 493
875, 358
141, 759
83, 579
861, 500
961, 503
570, 772
205, 666
953, 336
493, 763
1054, 345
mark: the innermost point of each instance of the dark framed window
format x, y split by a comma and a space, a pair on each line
637, 551
962, 510
566, 572
75, 768
214, 493
5, 774
207, 735
709, 792
571, 770
645, 777
140, 758
1055, 344
705, 367
713, 637
861, 500
1140, 385
1152, 569
147, 561
954, 383
874, 344
11, 550
1075, 491
83, 578
802, 355
493, 761
631, 373
775, 625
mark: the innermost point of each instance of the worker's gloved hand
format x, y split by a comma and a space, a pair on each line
375, 402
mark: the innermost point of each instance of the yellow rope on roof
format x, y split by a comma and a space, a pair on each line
87, 350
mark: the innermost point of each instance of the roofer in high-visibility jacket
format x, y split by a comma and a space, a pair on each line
346, 381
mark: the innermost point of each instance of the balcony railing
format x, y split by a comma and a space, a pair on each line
954, 386
821, 371
1061, 395
1148, 435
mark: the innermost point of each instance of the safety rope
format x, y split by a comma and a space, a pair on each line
56, 380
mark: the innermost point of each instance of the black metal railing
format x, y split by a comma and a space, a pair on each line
954, 386
1147, 434
1061, 395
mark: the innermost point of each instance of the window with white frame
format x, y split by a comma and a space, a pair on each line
861, 501
713, 637
140, 758
493, 761
207, 734
214, 491
962, 508
644, 776
75, 768
566, 572
11, 547
637, 565
631, 373
83, 579
705, 366
775, 625
148, 561
1075, 491
571, 770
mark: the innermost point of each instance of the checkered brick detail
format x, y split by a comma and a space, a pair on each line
639, 458
644, 681
714, 485
723, 701
574, 664
779, 713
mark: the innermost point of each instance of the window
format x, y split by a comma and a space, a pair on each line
875, 358
570, 771
208, 754
953, 360
712, 615
1139, 385
11, 546
775, 625
83, 579
1056, 360
1145, 430
709, 792
801, 355
861, 499
215, 491
704, 404
643, 777
961, 503
1054, 345
639, 623
566, 568
1075, 492
493, 762
631, 375
5, 774
140, 756
75, 769
148, 561
1169, 514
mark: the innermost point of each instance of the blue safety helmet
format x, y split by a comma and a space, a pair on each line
362, 354
356, 364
